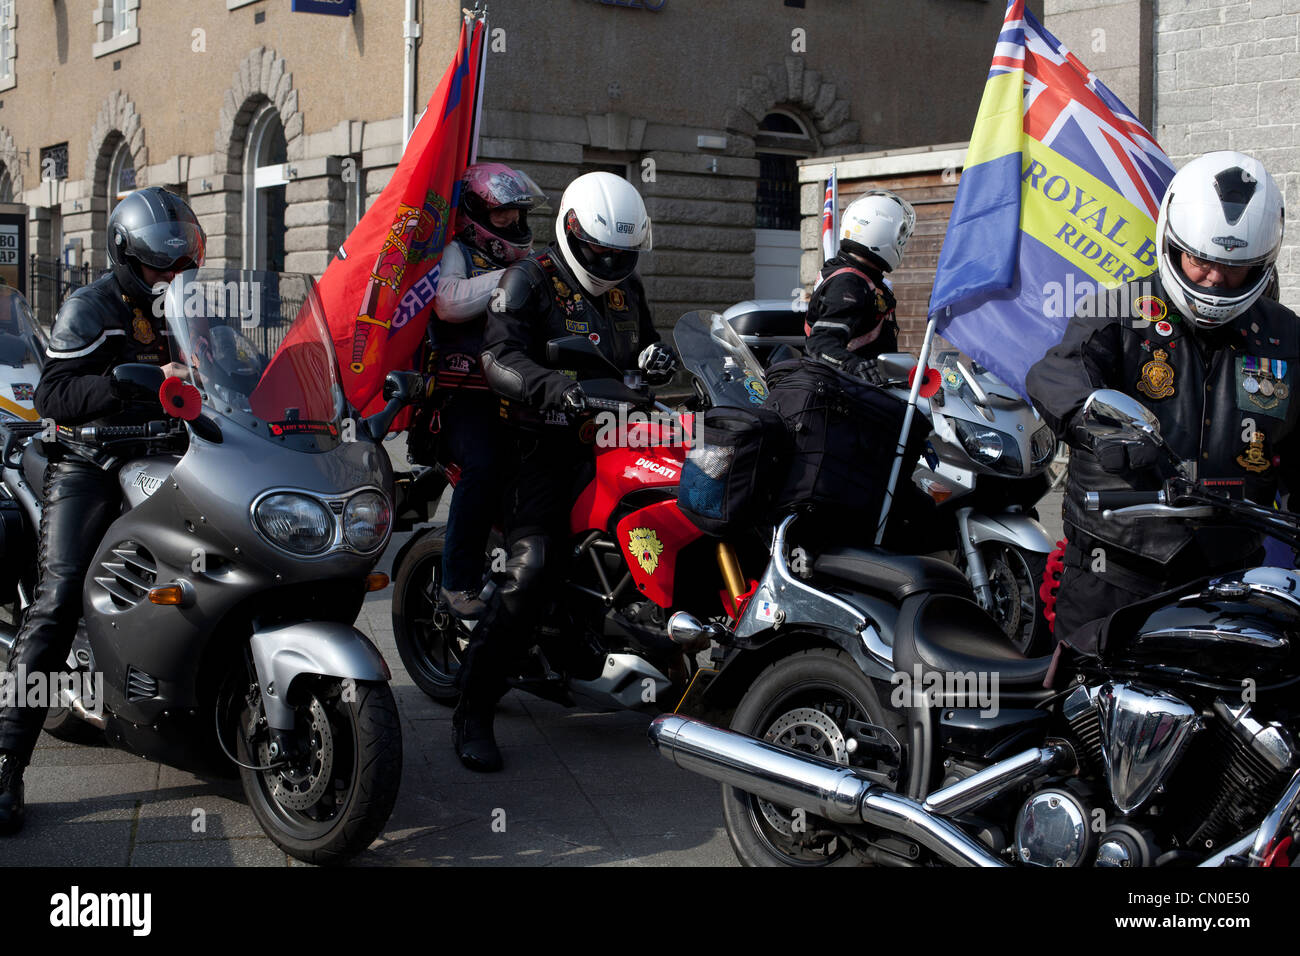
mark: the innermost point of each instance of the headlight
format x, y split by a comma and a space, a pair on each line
366, 520
296, 523
988, 446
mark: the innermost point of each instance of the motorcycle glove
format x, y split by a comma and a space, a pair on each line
658, 362
1118, 457
869, 371
574, 399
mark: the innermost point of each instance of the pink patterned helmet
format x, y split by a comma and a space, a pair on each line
488, 188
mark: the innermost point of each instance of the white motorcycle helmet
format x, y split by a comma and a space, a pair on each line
1222, 207
600, 229
877, 225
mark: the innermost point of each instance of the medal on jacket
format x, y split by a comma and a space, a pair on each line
1262, 381
1252, 459
1157, 377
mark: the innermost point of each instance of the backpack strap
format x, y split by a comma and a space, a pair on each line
861, 340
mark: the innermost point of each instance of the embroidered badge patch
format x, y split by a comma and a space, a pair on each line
142, 330
617, 301
1150, 308
576, 327
1157, 376
1252, 457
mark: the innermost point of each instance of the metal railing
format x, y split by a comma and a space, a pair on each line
49, 282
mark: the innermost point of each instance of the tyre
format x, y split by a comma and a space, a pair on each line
333, 794
1058, 467
1015, 576
430, 641
802, 702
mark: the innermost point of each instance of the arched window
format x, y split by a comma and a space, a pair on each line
265, 189
121, 174
6, 184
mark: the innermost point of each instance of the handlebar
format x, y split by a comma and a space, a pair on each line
98, 434
1110, 500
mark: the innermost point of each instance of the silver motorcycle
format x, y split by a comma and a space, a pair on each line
217, 631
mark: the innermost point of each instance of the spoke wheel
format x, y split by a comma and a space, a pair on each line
804, 702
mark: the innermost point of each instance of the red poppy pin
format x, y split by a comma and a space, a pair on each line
180, 399
929, 385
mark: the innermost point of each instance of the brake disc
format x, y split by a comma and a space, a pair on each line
809, 731
300, 787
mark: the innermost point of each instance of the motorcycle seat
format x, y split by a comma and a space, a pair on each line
34, 462
898, 576
950, 634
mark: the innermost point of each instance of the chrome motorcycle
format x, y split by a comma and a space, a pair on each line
878, 715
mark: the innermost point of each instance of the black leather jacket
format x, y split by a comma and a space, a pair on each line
97, 329
1225, 399
850, 315
544, 301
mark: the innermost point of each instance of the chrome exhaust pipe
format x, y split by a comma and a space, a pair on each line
78, 707
792, 779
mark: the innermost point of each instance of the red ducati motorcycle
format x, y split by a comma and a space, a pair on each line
634, 559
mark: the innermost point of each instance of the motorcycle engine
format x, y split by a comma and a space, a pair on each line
1217, 785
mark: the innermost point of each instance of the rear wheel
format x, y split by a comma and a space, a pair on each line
430, 640
814, 701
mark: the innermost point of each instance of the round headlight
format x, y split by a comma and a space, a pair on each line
366, 520
296, 523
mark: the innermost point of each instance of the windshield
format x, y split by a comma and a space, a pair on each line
722, 364
21, 342
259, 353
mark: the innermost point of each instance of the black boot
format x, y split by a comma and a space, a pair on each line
11, 794
472, 733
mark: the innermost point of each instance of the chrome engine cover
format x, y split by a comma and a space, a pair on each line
1143, 733
1052, 830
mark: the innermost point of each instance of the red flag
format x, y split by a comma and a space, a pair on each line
387, 272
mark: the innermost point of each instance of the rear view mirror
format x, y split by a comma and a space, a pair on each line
1111, 414
137, 382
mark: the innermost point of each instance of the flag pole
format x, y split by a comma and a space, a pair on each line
835, 212
917, 380
479, 11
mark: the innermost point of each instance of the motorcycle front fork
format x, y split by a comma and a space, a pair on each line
975, 570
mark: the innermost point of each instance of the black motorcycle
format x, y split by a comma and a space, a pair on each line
879, 716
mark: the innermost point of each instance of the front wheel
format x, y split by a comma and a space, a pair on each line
1015, 576
814, 701
329, 797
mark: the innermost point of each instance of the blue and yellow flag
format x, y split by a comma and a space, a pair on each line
1058, 199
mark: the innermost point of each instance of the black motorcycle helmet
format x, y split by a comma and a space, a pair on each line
155, 228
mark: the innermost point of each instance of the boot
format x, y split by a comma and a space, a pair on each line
466, 605
11, 794
472, 734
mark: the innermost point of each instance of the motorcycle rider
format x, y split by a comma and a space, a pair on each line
152, 235
583, 284
491, 232
851, 313
1214, 358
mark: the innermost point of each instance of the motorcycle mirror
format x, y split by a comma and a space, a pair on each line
1111, 414
403, 386
136, 382
577, 352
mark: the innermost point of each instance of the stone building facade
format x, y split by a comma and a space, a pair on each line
280, 127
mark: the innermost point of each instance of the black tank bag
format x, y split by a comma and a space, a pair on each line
843, 434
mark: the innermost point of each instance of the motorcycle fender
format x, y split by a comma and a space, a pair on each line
1017, 530
283, 654
720, 692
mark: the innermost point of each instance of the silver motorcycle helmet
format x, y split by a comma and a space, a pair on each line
156, 228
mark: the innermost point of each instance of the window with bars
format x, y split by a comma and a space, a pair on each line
54, 162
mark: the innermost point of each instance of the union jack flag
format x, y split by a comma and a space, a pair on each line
1071, 111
